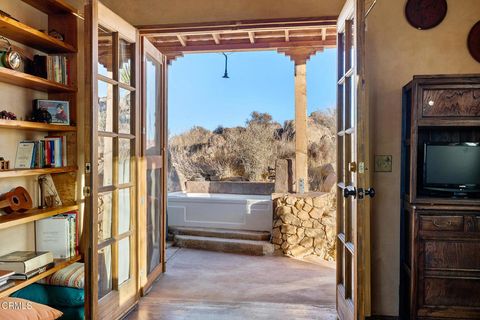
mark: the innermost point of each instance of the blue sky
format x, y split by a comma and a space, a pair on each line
259, 81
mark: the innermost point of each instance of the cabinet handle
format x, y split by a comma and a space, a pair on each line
440, 225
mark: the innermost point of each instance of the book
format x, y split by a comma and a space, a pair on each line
24, 157
49, 189
28, 275
25, 261
5, 274
54, 234
7, 285
54, 67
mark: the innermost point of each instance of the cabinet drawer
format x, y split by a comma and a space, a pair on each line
441, 223
445, 102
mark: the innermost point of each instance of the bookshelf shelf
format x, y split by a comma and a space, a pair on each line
19, 284
15, 219
52, 6
14, 173
32, 37
34, 126
33, 82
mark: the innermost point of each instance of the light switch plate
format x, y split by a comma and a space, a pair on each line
383, 163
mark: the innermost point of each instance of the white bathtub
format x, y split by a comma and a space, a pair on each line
219, 210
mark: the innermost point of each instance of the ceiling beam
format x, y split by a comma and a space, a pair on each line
216, 38
287, 36
251, 36
182, 40
324, 34
317, 44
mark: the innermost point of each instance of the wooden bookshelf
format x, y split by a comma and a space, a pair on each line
34, 126
14, 173
33, 82
19, 284
32, 37
15, 219
52, 6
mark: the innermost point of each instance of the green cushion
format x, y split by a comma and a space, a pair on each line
52, 295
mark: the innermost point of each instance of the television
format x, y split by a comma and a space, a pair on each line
452, 167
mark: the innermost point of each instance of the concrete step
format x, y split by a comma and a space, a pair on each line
221, 233
249, 247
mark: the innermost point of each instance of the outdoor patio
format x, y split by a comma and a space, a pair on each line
211, 285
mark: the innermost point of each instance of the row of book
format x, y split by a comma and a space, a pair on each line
50, 152
22, 265
55, 68
58, 234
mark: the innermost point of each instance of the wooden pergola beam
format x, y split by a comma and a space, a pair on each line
287, 35
324, 34
182, 40
216, 38
251, 36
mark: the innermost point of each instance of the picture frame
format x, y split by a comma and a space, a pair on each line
59, 110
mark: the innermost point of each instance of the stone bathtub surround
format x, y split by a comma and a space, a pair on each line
304, 225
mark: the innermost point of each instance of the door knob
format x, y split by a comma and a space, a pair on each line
350, 191
370, 192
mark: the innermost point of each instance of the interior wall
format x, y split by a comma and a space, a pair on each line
395, 52
147, 12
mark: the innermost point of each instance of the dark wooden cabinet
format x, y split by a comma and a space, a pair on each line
440, 234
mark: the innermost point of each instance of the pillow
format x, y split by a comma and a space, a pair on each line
76, 313
52, 295
71, 276
21, 309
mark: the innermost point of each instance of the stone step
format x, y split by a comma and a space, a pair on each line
248, 247
221, 233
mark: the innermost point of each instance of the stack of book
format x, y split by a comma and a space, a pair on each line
26, 264
55, 68
50, 152
4, 277
58, 235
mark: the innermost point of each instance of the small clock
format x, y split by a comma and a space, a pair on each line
425, 14
11, 59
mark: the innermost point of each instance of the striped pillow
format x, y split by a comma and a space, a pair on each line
72, 276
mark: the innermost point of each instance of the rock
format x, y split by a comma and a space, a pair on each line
307, 224
276, 234
300, 232
299, 205
290, 200
302, 215
277, 223
295, 211
309, 201
288, 229
277, 241
313, 233
291, 219
299, 251
285, 237
316, 213
306, 242
319, 242
321, 202
276, 247
293, 240
307, 207
285, 246
282, 210
317, 225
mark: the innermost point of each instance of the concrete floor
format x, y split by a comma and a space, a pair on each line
212, 285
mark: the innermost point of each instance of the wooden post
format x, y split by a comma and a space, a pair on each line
300, 57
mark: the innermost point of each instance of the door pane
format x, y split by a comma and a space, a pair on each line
105, 106
153, 151
123, 260
105, 52
105, 161
104, 271
125, 69
125, 105
105, 207
124, 157
123, 210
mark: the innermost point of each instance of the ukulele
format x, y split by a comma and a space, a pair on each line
17, 199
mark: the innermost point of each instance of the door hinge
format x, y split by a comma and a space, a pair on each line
361, 167
88, 167
86, 191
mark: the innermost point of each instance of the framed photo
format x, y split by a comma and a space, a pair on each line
59, 110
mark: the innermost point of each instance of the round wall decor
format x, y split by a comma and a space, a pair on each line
425, 14
474, 41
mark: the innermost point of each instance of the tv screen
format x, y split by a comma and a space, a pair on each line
452, 166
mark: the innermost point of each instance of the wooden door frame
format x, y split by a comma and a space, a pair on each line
94, 9
148, 280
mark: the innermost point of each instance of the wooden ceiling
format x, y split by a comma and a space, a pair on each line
176, 40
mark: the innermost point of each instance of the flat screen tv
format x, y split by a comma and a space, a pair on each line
453, 168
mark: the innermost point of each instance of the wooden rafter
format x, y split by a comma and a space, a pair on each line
324, 34
287, 35
216, 38
251, 37
182, 40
